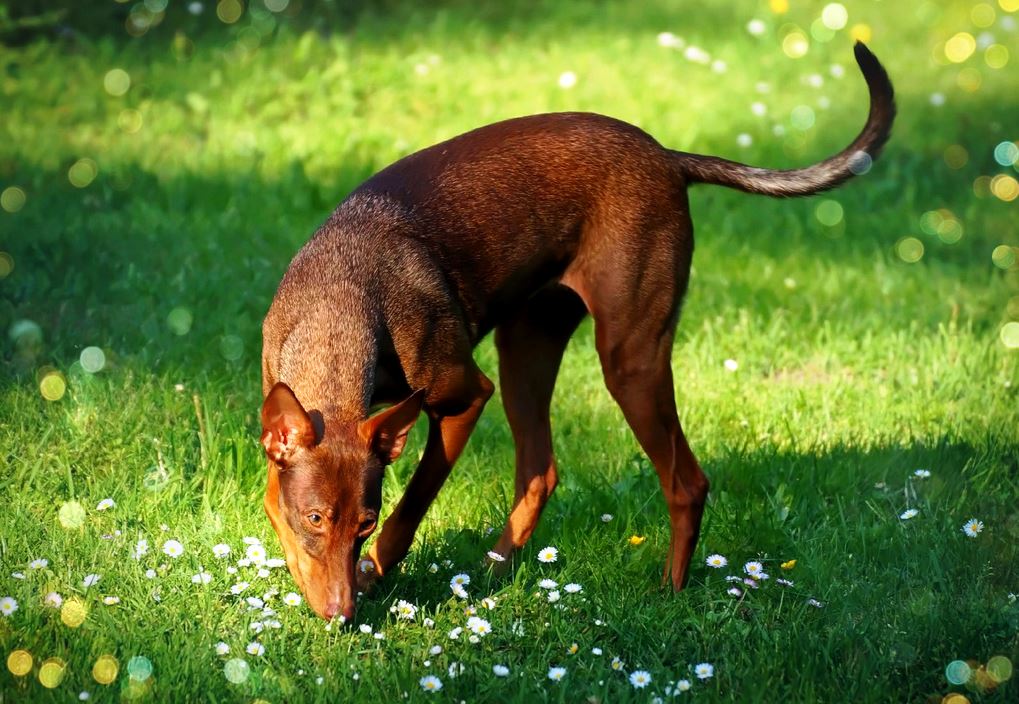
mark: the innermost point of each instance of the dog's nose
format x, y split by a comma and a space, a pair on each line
332, 608
348, 613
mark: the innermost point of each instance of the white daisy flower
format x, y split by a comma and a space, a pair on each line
922, 473
83, 695
8, 605
201, 578
257, 626
365, 628
406, 610
255, 648
753, 568
784, 582
455, 633
479, 626
573, 588
38, 564
546, 555
173, 548
430, 683
150, 573
273, 624
462, 579
231, 569
105, 504
53, 600
111, 600
275, 563
616, 664
488, 602
908, 513
455, 669
733, 578
716, 560
428, 623
553, 596
239, 587
973, 527
262, 572
704, 670
435, 650
752, 583
18, 575
91, 580
500, 670
433, 568
596, 651
495, 557
548, 584
683, 686
734, 591
221, 550
248, 540
292, 599
556, 673
640, 679
222, 648
140, 548
254, 603
606, 517
256, 553
815, 603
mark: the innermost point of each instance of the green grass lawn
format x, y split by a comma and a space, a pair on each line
829, 348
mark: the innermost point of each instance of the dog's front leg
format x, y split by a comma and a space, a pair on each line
447, 436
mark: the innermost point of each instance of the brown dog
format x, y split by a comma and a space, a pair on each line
524, 227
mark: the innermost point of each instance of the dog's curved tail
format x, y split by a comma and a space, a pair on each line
852, 160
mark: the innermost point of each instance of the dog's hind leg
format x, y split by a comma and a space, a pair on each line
531, 347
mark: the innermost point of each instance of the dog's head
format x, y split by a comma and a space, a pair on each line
325, 490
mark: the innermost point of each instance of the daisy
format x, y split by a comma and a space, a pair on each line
201, 578
462, 579
53, 600
244, 562
140, 548
18, 575
173, 548
922, 474
683, 686
275, 563
640, 679
365, 628
459, 591
973, 527
617, 664
500, 670
435, 650
111, 600
254, 603
39, 564
105, 504
488, 602
455, 669
548, 584
596, 651
573, 588
495, 557
255, 648
256, 553
428, 623
8, 605
546, 555
91, 580
704, 670
430, 683
257, 626
248, 540
556, 673
273, 624
406, 610
716, 561
815, 603
606, 517
263, 572
239, 587
735, 591
231, 569
222, 648
784, 582
292, 599
733, 578
479, 626
908, 513
572, 650
753, 568
83, 695
433, 568
752, 583
221, 550
553, 596
455, 633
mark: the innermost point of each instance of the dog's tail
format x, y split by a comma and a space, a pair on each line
852, 160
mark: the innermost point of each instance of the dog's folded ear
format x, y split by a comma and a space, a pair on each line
286, 426
387, 431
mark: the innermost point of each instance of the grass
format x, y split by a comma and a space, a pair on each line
855, 367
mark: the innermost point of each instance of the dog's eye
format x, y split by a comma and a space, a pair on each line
366, 527
314, 519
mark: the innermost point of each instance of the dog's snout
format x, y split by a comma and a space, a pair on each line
332, 608
348, 613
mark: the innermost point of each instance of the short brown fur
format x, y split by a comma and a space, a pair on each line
524, 227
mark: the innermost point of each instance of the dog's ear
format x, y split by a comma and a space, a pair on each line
386, 432
286, 426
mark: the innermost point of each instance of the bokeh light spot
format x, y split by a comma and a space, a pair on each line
1010, 335
1009, 5
51, 673
117, 82
19, 662
231, 347
73, 612
955, 698
105, 669
1003, 256
821, 33
909, 249
996, 56
179, 320
82, 172
139, 668
71, 515
130, 121
229, 11
53, 386
236, 670
969, 79
860, 33
1005, 187
958, 672
779, 7
802, 117
276, 5
999, 669
960, 47
982, 14
6, 265
829, 212
860, 163
956, 156
982, 186
92, 359
795, 44
834, 16
1006, 153
12, 199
